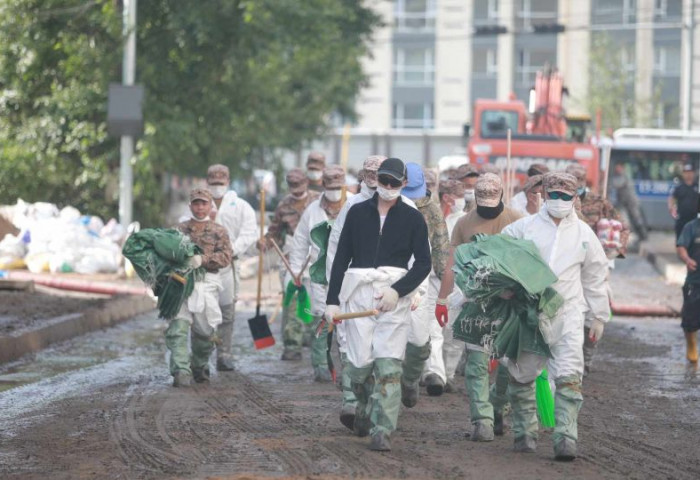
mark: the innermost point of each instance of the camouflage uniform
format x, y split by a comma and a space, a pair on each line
217, 254
437, 233
282, 227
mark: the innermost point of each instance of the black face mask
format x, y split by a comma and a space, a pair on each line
490, 213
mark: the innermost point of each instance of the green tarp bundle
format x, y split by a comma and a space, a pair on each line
160, 257
303, 301
485, 269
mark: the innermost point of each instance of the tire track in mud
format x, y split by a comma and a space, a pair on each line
295, 444
624, 456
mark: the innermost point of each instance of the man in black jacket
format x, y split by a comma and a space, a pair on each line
370, 271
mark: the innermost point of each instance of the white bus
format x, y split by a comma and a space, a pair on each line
653, 160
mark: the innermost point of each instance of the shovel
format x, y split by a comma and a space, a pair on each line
259, 328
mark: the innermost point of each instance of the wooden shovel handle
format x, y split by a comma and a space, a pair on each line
351, 315
262, 237
284, 259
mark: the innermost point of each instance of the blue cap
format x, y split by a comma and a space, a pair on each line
415, 187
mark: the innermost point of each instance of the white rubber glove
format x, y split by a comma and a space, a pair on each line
388, 298
331, 312
415, 301
195, 261
596, 331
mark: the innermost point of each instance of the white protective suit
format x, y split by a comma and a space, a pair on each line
238, 218
380, 336
445, 351
302, 247
519, 203
365, 194
575, 255
201, 310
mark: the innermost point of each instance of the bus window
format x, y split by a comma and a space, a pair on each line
653, 173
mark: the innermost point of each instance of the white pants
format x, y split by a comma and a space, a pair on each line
423, 316
380, 336
230, 280
445, 350
201, 309
567, 360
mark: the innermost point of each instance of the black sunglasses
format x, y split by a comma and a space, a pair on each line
388, 180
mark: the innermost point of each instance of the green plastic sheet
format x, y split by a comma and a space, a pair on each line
319, 236
486, 269
303, 301
160, 258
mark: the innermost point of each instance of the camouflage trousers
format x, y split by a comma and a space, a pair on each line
295, 333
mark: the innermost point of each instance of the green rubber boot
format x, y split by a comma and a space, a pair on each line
202, 348
413, 365
362, 383
498, 397
568, 400
176, 341
386, 397
522, 399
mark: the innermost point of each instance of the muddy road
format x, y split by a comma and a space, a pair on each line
101, 406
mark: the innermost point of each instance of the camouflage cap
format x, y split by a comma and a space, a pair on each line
297, 181
532, 182
218, 173
537, 169
578, 171
466, 170
488, 190
559, 182
200, 194
333, 177
372, 162
491, 168
431, 177
316, 160
452, 187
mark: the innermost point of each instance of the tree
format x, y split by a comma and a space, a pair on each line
611, 87
227, 81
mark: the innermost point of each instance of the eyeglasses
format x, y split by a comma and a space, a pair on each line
560, 196
388, 180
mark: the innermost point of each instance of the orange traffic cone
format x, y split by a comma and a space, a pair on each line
691, 339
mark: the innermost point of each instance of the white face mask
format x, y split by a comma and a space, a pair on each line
367, 190
388, 195
218, 191
314, 174
469, 195
205, 219
458, 206
302, 196
333, 195
559, 208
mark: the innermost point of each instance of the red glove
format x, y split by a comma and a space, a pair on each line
441, 312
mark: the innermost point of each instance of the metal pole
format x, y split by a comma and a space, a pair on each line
687, 94
126, 176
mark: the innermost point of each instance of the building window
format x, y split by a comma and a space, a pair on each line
660, 120
414, 67
493, 10
485, 63
536, 12
660, 60
627, 58
413, 115
614, 12
660, 9
414, 15
667, 61
529, 63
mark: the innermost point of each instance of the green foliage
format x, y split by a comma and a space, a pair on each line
611, 88
228, 81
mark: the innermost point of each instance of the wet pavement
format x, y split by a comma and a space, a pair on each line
101, 406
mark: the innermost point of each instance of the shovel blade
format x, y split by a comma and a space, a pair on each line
260, 330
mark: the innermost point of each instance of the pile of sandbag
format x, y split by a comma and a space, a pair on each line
53, 240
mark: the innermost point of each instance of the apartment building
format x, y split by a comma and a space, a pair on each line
434, 58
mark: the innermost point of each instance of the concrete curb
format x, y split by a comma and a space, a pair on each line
673, 271
114, 311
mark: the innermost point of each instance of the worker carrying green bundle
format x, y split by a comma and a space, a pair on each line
183, 268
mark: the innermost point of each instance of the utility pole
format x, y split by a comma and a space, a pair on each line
126, 176
687, 94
